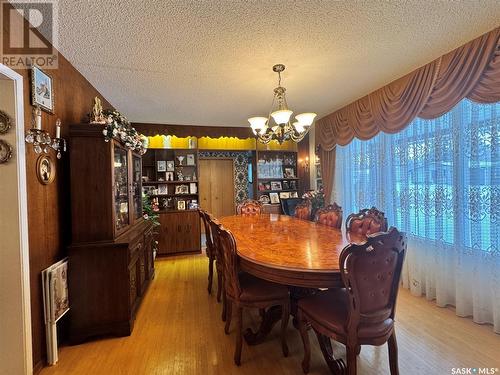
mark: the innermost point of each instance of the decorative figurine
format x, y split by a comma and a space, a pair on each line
96, 117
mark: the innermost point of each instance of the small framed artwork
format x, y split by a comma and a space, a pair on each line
193, 188
5, 122
289, 173
284, 195
286, 185
193, 205
261, 187
42, 93
274, 198
169, 176
162, 189
267, 186
181, 205
161, 166
45, 169
293, 185
5, 151
190, 159
264, 199
294, 194
276, 185
170, 166
182, 189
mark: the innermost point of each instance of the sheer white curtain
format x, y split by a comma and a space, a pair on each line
439, 181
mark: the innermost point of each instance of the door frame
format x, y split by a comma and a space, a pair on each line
22, 269
221, 158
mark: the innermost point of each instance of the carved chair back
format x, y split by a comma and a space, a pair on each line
231, 269
303, 210
215, 227
208, 232
330, 215
371, 273
249, 207
366, 222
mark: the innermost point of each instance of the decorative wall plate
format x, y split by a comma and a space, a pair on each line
45, 169
5, 122
5, 152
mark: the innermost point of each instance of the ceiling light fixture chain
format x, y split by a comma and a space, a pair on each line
282, 130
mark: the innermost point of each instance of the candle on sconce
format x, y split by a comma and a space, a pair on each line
37, 112
58, 128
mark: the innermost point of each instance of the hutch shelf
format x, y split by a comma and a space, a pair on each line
111, 256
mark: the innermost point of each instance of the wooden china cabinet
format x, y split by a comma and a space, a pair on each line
111, 255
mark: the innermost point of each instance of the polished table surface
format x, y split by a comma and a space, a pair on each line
287, 250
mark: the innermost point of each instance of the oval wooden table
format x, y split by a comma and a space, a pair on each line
293, 252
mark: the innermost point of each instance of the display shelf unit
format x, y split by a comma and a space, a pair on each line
276, 172
170, 179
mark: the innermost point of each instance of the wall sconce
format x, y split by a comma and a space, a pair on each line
41, 139
304, 163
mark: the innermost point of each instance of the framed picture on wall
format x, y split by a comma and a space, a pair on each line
289, 173
190, 159
163, 189
42, 93
274, 198
170, 166
182, 189
181, 205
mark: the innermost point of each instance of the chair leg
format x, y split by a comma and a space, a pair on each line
393, 354
305, 340
219, 285
224, 307
239, 336
351, 360
210, 274
285, 315
229, 314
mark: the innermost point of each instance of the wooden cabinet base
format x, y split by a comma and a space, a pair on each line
179, 232
107, 280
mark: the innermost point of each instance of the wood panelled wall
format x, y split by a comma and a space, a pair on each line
48, 205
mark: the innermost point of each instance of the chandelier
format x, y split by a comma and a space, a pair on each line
277, 125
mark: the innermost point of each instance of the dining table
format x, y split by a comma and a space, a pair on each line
301, 254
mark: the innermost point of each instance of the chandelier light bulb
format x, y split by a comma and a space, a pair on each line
258, 124
306, 119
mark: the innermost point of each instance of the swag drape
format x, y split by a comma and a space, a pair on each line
471, 71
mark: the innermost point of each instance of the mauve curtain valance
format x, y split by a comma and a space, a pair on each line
471, 71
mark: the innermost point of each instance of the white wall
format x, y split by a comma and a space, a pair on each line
12, 324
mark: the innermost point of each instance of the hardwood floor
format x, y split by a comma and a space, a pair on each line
178, 331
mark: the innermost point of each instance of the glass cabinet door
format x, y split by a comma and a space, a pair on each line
121, 188
137, 186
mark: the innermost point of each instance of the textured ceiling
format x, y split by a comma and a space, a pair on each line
209, 62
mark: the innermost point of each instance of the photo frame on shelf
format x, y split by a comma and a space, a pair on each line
293, 185
289, 173
169, 176
284, 195
267, 186
42, 92
161, 166
162, 189
190, 159
294, 194
181, 205
274, 198
182, 189
193, 204
193, 188
286, 185
170, 166
276, 185
261, 186
264, 199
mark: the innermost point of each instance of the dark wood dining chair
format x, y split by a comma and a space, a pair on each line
330, 215
210, 251
219, 261
249, 207
246, 291
366, 222
303, 210
361, 313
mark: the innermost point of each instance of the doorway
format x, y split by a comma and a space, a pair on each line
217, 186
15, 310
